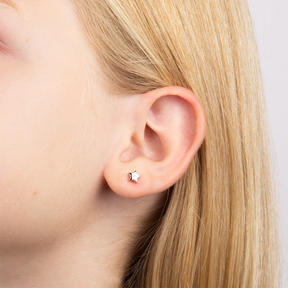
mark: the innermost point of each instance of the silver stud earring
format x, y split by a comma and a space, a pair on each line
133, 176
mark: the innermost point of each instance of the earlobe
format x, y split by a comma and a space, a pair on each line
156, 151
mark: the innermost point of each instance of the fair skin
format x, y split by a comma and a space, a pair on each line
68, 213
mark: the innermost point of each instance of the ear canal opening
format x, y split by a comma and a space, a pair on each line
154, 148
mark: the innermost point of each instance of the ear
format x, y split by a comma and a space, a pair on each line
164, 129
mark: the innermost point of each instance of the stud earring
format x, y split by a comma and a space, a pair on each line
133, 176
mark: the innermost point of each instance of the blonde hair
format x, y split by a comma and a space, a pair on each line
220, 226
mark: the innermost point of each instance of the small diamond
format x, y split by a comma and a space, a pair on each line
133, 176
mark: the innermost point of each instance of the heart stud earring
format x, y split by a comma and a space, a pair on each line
133, 176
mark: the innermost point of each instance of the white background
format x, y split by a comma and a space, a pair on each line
270, 18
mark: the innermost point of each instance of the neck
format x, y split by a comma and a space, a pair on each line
80, 261
90, 257
94, 255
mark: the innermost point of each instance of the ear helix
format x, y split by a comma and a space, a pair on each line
133, 176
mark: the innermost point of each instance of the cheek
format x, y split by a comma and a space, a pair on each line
50, 161
44, 152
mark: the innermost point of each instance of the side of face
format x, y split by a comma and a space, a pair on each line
51, 136
67, 144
